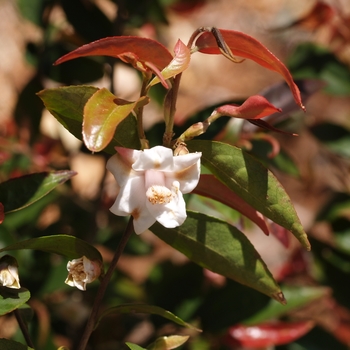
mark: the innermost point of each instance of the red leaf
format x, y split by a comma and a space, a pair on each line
267, 334
264, 125
2, 214
130, 49
255, 107
245, 46
209, 186
179, 63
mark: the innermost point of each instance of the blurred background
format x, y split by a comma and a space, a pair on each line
313, 39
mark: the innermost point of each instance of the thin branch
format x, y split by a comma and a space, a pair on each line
24, 328
103, 286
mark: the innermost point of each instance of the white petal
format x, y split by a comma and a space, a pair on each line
120, 165
132, 200
158, 158
143, 222
131, 197
187, 172
171, 214
186, 160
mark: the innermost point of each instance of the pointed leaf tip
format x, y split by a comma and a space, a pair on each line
130, 49
243, 45
255, 107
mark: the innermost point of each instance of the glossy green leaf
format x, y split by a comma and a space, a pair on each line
66, 104
134, 346
251, 181
221, 248
69, 246
22, 191
211, 187
103, 112
145, 309
11, 299
297, 297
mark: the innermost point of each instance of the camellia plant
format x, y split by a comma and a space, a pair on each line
152, 180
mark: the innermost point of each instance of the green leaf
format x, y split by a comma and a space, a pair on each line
69, 246
297, 297
168, 342
6, 344
103, 112
254, 183
11, 299
134, 346
145, 309
22, 191
67, 103
221, 248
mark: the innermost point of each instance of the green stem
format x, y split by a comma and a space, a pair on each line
24, 328
103, 286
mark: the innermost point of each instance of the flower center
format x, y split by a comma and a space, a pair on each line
159, 194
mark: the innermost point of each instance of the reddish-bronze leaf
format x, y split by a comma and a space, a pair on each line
103, 112
245, 46
264, 125
209, 186
130, 49
255, 107
179, 63
267, 334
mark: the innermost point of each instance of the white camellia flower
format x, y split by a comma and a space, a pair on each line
151, 183
9, 273
82, 271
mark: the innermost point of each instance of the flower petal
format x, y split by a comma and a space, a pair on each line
173, 213
158, 158
187, 171
120, 164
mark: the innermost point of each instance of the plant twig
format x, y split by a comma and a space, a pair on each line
24, 328
103, 286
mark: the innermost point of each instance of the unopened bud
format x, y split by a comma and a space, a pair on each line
9, 272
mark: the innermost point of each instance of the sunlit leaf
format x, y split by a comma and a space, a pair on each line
268, 334
22, 191
67, 103
142, 50
255, 107
11, 299
103, 112
221, 248
169, 342
179, 63
297, 297
245, 46
69, 246
251, 181
210, 187
145, 309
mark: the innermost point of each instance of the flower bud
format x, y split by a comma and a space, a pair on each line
82, 271
9, 272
